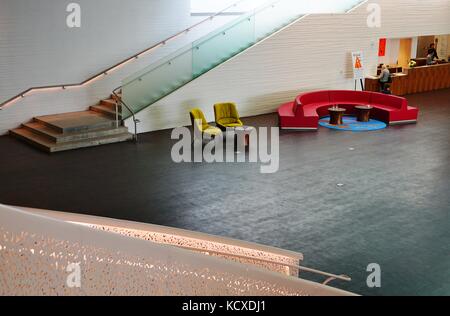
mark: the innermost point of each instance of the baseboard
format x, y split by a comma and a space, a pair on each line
305, 129
403, 122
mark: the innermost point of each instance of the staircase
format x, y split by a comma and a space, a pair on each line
158, 80
61, 132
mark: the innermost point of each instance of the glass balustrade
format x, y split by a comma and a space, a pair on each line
172, 72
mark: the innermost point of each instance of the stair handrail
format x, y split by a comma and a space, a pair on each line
22, 94
136, 121
117, 100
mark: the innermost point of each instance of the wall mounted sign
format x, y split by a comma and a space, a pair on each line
382, 47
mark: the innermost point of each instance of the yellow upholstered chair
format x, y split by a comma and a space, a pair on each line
198, 118
227, 115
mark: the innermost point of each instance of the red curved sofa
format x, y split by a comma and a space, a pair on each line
304, 113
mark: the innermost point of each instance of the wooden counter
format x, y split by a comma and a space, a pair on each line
415, 80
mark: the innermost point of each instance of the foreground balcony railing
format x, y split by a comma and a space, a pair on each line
39, 250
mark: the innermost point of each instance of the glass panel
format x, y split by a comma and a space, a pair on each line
343, 6
321, 6
270, 19
279, 14
157, 81
217, 47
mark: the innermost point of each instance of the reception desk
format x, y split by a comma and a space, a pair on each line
415, 80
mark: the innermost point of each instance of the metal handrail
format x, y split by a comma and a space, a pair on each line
136, 121
330, 276
107, 71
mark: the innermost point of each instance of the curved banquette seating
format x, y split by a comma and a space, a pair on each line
304, 113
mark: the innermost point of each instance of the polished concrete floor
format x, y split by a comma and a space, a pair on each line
393, 208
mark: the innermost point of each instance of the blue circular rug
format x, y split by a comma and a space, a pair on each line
351, 124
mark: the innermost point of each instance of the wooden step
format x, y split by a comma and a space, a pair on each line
118, 94
106, 110
43, 143
56, 137
111, 104
77, 121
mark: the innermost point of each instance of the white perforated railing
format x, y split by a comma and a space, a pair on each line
36, 251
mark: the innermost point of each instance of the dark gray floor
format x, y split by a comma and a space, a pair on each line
392, 210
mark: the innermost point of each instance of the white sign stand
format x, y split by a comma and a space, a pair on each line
358, 68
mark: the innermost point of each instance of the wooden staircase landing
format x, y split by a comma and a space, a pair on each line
61, 132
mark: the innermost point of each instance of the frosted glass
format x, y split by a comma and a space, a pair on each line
270, 19
158, 81
319, 6
222, 44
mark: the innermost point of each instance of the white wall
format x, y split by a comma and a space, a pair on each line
392, 49
38, 49
313, 53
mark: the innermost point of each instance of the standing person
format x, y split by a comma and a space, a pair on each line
432, 51
385, 76
432, 55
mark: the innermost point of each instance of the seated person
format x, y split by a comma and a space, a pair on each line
384, 77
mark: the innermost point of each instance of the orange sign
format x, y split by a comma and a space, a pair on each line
358, 64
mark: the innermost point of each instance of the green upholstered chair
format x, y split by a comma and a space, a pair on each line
197, 117
227, 115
